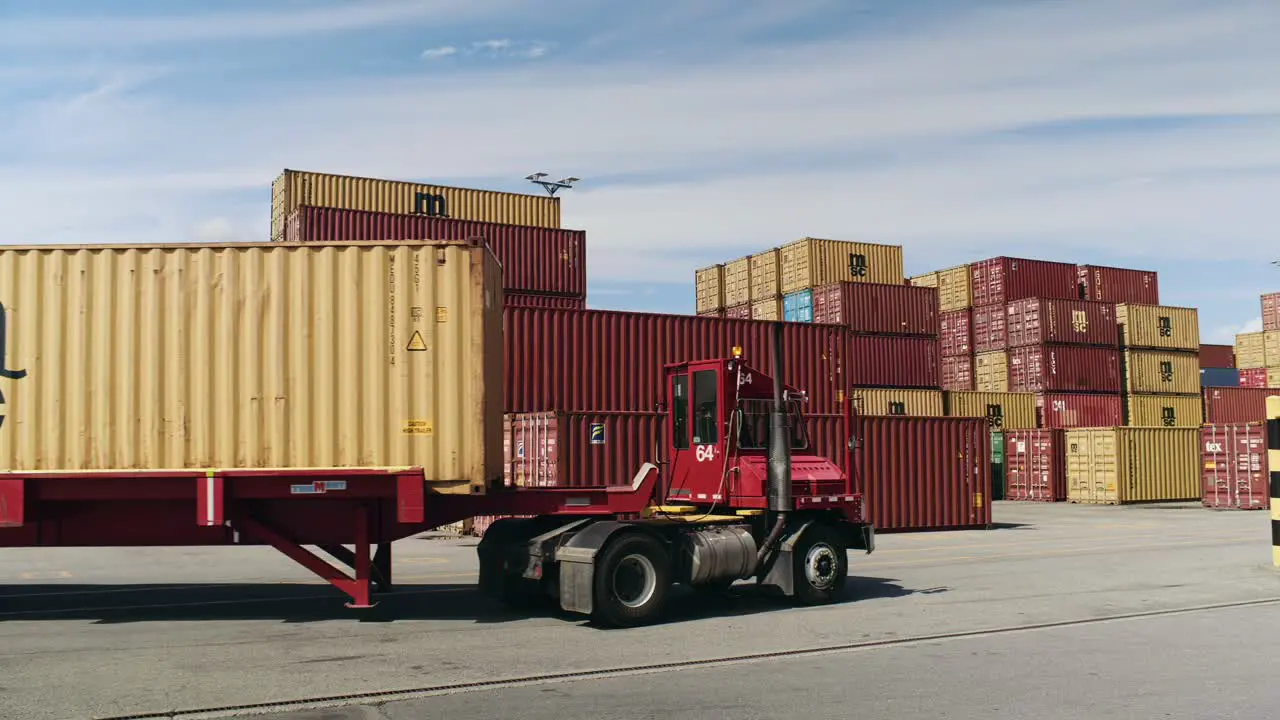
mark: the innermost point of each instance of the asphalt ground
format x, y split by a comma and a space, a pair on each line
1064, 611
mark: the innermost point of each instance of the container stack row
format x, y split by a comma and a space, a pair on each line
1257, 354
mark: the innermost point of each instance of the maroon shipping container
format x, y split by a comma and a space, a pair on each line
738, 312
1035, 465
1001, 280
1073, 410
955, 333
1271, 311
924, 473
1064, 368
1035, 321
578, 360
1217, 356
534, 259
891, 361
540, 300
1234, 467
989, 332
1225, 405
556, 449
956, 372
878, 308
1118, 285
1253, 377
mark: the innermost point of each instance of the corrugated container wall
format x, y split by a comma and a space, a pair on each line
1004, 411
929, 279
877, 308
1271, 348
798, 306
770, 309
533, 259
556, 449
1035, 465
1219, 377
1271, 311
1074, 410
538, 300
589, 359
991, 372
896, 401
989, 330
738, 312
955, 333
709, 289
891, 361
1032, 321
810, 262
956, 372
1064, 368
1235, 472
1161, 371
294, 188
1159, 327
925, 473
1133, 464
1236, 405
161, 357
766, 278
737, 282
955, 291
1164, 410
1000, 280
1260, 377
1250, 350
1217, 356
1118, 285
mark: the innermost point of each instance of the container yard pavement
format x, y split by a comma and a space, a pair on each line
81, 636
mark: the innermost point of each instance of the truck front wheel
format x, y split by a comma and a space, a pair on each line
821, 561
632, 578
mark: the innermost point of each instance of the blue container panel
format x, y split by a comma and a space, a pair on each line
798, 306
1219, 377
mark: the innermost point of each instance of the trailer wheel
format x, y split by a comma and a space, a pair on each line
495, 581
632, 578
821, 562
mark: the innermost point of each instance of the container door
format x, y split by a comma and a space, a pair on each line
1251, 471
998, 476
1106, 468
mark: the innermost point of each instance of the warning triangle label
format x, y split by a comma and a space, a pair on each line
416, 343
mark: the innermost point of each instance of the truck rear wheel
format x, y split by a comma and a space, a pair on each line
821, 561
632, 578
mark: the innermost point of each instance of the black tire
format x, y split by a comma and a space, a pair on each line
821, 564
718, 587
495, 582
632, 578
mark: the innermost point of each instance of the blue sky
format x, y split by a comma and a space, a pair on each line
1143, 133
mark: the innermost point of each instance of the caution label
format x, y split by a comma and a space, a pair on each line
416, 343
417, 427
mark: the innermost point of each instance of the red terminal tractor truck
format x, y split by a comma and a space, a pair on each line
260, 358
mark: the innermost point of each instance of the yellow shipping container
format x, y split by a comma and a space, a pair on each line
1133, 464
929, 279
1251, 350
300, 187
265, 355
1164, 410
1271, 348
954, 289
1006, 410
770, 309
812, 262
1159, 326
896, 401
1161, 371
991, 372
737, 282
709, 289
765, 280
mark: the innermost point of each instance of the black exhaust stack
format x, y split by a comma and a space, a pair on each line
779, 472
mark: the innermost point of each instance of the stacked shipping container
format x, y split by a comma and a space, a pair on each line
1161, 360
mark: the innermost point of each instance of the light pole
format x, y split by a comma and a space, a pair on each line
551, 186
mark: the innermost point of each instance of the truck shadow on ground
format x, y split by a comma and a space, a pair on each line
305, 603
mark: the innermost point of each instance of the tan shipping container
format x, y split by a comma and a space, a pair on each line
1271, 348
1133, 464
1164, 410
955, 292
293, 188
709, 289
770, 309
1159, 326
1161, 371
737, 282
766, 281
1250, 350
991, 372
929, 279
264, 355
1006, 410
811, 262
897, 401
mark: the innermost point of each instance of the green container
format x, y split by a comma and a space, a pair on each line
997, 465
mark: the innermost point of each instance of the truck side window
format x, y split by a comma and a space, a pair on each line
680, 412
706, 389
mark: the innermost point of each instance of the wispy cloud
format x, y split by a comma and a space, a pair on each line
501, 47
436, 53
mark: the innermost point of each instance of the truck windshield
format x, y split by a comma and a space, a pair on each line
754, 433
